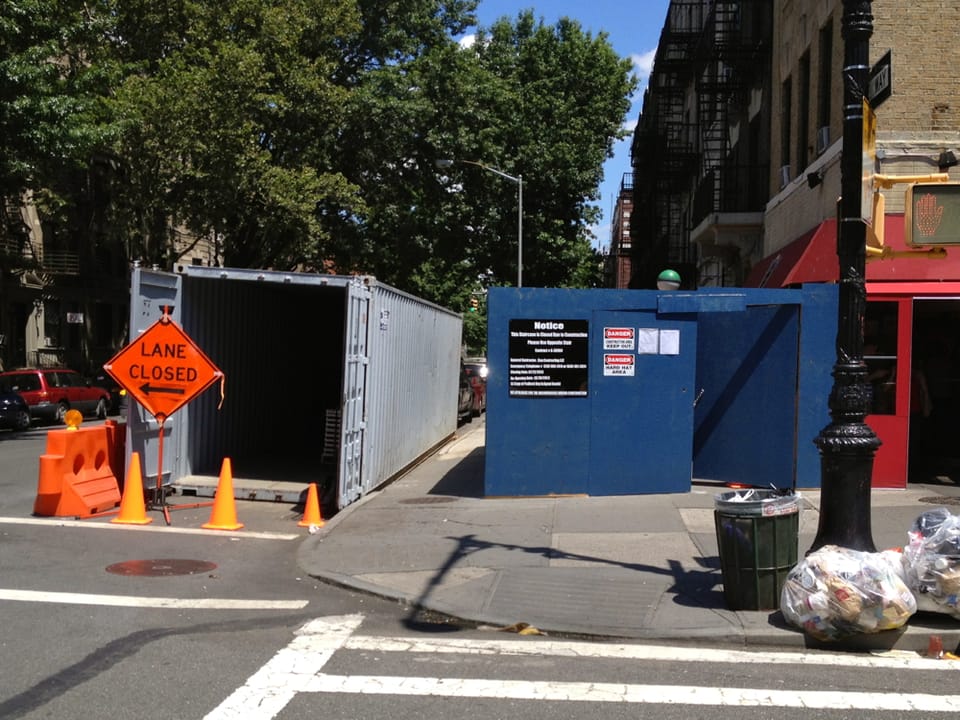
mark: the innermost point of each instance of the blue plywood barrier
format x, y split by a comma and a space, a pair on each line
608, 392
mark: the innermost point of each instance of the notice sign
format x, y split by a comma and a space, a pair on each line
619, 364
618, 338
548, 358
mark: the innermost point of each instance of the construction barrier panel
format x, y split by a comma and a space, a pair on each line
76, 479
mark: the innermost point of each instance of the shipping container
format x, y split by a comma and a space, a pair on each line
339, 380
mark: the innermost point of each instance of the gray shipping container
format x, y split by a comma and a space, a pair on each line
338, 380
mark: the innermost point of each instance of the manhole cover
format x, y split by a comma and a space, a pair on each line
160, 568
940, 500
431, 500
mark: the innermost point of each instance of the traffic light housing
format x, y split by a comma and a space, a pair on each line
474, 304
932, 214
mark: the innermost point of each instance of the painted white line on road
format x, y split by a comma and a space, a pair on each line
620, 651
59, 522
297, 668
635, 694
150, 602
267, 692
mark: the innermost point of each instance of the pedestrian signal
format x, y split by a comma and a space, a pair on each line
474, 304
932, 214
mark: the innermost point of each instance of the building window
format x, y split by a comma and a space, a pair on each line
825, 77
786, 117
880, 355
803, 113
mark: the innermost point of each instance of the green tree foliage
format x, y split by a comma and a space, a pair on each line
305, 133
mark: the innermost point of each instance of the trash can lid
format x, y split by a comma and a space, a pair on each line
757, 502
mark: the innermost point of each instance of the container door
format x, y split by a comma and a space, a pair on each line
352, 419
150, 291
642, 394
747, 370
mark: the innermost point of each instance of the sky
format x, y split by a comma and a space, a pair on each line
633, 30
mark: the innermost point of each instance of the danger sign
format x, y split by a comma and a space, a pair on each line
618, 338
619, 364
163, 369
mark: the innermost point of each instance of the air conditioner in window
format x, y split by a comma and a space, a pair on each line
784, 176
823, 138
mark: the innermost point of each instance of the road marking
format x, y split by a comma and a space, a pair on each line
618, 651
59, 522
636, 694
150, 602
297, 669
267, 691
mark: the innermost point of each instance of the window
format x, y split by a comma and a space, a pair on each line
880, 355
786, 116
825, 76
803, 113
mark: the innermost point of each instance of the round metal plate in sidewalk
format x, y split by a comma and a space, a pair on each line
429, 500
940, 500
161, 567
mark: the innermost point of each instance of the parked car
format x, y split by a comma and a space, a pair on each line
466, 398
118, 396
50, 392
14, 411
477, 372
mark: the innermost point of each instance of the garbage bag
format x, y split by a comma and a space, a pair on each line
836, 592
931, 561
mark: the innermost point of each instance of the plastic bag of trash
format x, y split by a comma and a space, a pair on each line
837, 592
931, 561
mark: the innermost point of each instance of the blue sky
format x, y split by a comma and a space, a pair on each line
633, 29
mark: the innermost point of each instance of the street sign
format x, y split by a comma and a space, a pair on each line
163, 369
881, 81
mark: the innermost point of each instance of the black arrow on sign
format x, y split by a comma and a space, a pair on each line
148, 388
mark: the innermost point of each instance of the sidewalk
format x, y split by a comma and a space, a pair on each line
640, 566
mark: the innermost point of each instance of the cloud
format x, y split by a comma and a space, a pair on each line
467, 41
643, 65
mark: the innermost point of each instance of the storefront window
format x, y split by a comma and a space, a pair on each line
880, 355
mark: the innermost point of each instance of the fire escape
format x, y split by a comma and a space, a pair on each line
699, 181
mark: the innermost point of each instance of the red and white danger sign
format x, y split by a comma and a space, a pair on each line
619, 364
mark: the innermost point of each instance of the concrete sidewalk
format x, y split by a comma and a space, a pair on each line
641, 566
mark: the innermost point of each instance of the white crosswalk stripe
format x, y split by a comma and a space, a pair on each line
298, 668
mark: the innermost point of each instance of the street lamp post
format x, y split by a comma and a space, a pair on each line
519, 181
848, 445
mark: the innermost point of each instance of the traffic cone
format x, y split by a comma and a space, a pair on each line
133, 510
311, 511
224, 515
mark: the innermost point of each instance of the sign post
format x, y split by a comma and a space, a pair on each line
163, 369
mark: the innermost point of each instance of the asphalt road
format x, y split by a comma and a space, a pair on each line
97, 622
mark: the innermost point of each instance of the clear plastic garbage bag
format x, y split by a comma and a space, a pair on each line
836, 592
931, 561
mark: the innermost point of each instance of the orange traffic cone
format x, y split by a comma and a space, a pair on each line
133, 510
224, 515
311, 511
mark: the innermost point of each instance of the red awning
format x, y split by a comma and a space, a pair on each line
813, 258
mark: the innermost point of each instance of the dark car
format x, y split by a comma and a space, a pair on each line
50, 392
14, 411
118, 396
477, 372
466, 396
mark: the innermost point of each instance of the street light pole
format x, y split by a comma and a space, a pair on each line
848, 445
519, 181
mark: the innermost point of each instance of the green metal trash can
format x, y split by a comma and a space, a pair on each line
757, 536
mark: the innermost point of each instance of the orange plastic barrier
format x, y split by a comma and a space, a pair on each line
75, 474
117, 449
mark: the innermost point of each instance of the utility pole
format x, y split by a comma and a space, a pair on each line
848, 445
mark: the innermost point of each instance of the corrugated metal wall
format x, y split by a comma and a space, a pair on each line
300, 353
412, 381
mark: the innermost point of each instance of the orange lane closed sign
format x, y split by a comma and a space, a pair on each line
163, 369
